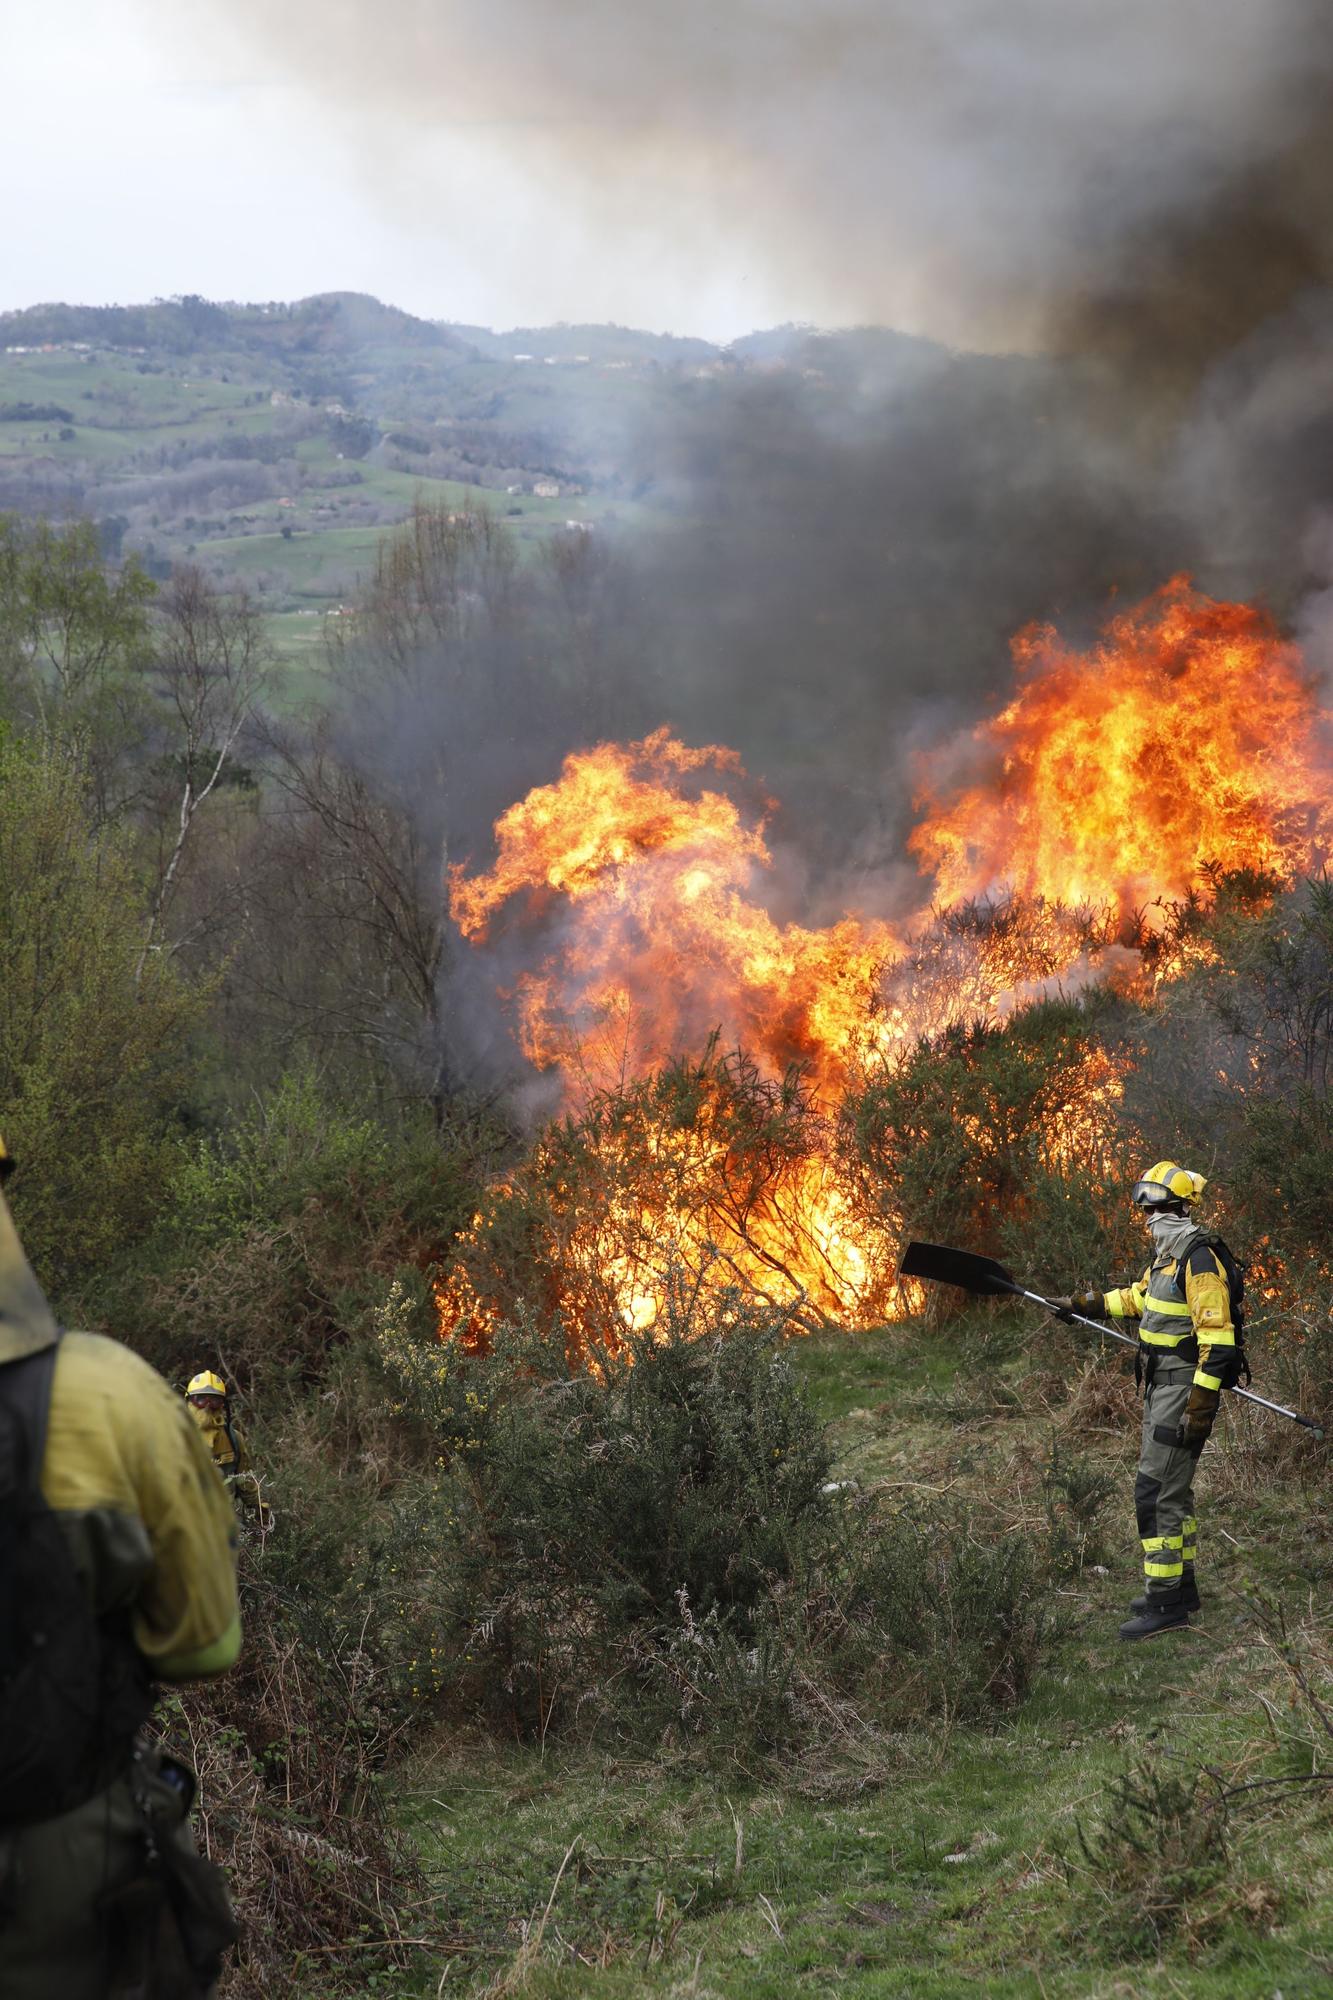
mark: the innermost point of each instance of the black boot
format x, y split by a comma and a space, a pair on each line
1189, 1593
1165, 1610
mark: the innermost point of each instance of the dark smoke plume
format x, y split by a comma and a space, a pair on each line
1124, 214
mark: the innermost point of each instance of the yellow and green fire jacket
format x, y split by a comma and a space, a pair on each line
223, 1440
146, 1517
1183, 1303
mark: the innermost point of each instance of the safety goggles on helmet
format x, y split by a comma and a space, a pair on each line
1167, 1186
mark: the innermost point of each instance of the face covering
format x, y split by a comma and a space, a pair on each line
1170, 1234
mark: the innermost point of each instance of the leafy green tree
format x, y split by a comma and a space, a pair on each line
74, 647
94, 1056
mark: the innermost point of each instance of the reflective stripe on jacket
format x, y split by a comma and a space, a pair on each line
146, 1518
1172, 1315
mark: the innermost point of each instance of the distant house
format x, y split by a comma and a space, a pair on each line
281, 400
580, 527
545, 489
334, 410
285, 502
513, 489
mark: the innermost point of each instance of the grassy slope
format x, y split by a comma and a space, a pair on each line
936, 1873
119, 412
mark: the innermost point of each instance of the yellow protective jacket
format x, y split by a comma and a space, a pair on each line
223, 1440
144, 1513
1184, 1303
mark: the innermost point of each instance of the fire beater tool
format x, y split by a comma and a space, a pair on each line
983, 1277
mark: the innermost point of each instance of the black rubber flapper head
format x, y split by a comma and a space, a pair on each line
981, 1276
986, 1279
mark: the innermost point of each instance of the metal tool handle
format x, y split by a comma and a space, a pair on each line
1128, 1340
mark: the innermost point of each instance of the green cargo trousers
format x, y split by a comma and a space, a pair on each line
77, 1921
1164, 1487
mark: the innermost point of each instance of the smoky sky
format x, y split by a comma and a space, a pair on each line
1112, 226
992, 172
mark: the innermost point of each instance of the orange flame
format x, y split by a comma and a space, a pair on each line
1189, 738
662, 943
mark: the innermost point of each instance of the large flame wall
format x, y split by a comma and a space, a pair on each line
1189, 737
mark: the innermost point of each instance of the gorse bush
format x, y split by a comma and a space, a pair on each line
279, 1235
653, 1545
932, 1619
586, 1503
1155, 1866
1075, 1493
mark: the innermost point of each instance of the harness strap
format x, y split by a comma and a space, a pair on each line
25, 1389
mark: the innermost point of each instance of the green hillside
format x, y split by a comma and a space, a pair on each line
272, 445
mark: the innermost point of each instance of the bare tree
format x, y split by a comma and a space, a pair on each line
345, 906
442, 578
211, 669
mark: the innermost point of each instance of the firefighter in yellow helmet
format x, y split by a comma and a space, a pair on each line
1187, 1304
210, 1406
117, 1570
206, 1395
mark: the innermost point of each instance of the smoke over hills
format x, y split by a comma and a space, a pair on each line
1124, 216
963, 170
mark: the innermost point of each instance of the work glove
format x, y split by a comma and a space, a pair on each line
1200, 1414
1088, 1303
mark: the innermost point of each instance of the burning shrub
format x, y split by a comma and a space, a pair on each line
705, 1169
1004, 1139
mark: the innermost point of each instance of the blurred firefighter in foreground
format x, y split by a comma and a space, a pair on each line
1188, 1304
117, 1569
210, 1406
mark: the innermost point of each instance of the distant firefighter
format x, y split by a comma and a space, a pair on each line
1188, 1305
210, 1406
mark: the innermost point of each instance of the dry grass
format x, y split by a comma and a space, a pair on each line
289, 1804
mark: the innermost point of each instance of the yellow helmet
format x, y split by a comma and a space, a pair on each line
206, 1384
1166, 1185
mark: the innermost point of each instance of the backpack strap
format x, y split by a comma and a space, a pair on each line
25, 1390
1187, 1263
